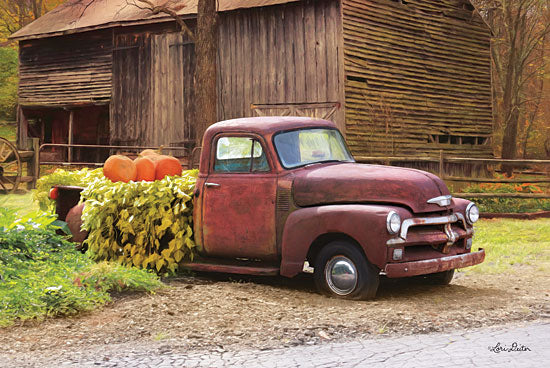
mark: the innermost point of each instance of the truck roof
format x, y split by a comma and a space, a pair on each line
267, 124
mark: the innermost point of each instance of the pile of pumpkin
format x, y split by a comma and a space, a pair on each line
150, 165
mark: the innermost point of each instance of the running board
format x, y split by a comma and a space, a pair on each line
232, 268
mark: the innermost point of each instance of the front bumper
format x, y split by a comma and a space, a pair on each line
427, 266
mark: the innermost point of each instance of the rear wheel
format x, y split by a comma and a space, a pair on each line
342, 271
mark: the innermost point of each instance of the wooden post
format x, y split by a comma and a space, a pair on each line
441, 163
22, 129
70, 140
33, 164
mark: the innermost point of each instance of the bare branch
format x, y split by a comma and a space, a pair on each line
164, 8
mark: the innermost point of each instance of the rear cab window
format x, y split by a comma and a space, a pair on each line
240, 155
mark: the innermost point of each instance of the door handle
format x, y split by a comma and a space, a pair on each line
212, 185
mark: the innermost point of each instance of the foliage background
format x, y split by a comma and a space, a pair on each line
15, 14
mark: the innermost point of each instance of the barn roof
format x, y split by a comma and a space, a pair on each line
84, 15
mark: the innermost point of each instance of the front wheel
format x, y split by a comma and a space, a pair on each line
342, 271
441, 278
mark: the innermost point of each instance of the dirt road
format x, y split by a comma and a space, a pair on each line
217, 314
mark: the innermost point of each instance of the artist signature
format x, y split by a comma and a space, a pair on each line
498, 348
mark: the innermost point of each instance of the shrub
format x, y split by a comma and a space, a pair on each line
41, 274
505, 205
144, 224
61, 177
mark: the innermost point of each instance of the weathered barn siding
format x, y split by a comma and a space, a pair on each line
152, 89
417, 78
280, 55
129, 113
398, 77
69, 70
172, 108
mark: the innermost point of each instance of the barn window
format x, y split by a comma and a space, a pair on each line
456, 139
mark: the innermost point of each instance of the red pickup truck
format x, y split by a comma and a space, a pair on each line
283, 195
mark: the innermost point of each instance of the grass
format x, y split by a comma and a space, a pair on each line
22, 203
7, 130
511, 245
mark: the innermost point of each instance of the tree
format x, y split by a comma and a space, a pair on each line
15, 14
206, 50
8, 82
519, 29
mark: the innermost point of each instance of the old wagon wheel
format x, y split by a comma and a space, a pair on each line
10, 167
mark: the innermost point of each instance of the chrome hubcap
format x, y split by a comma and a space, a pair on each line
341, 275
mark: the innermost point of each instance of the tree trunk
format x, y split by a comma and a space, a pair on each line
509, 140
206, 48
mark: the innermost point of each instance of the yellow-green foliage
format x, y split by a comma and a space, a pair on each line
62, 177
145, 224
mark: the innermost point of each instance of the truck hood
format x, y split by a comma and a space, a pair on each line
358, 183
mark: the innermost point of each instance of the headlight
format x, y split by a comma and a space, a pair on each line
393, 222
472, 213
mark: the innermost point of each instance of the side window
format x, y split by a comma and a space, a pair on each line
240, 155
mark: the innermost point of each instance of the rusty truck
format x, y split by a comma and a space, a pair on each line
283, 195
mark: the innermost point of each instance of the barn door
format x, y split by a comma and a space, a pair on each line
321, 110
173, 69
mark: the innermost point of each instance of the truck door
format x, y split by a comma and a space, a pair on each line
239, 200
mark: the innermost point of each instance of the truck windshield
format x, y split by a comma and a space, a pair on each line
308, 146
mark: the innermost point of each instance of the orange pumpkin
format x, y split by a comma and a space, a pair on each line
167, 166
119, 168
145, 169
149, 152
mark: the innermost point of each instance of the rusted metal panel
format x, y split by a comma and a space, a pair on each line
238, 218
236, 269
366, 224
83, 15
427, 266
359, 183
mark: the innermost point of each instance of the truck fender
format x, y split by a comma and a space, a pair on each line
366, 224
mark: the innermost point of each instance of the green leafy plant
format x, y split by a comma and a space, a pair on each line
144, 224
113, 276
41, 274
62, 177
512, 205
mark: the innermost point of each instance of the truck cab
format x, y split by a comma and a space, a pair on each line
280, 195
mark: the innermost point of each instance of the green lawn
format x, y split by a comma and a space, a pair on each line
7, 131
22, 203
511, 245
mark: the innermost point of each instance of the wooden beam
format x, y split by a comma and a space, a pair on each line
22, 129
70, 139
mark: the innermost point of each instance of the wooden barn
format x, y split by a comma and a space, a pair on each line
399, 77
